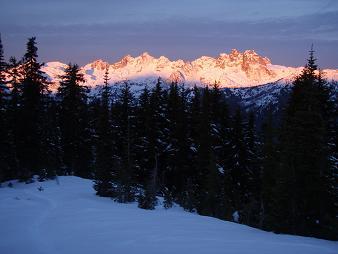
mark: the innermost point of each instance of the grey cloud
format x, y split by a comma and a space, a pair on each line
284, 39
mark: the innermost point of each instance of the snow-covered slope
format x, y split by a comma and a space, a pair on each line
237, 69
273, 95
68, 218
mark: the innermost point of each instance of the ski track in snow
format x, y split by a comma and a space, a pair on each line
69, 219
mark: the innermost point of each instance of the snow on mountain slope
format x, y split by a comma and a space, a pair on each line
261, 97
273, 95
237, 69
68, 218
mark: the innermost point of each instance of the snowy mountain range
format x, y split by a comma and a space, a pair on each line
234, 70
249, 78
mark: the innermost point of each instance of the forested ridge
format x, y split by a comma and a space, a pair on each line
183, 144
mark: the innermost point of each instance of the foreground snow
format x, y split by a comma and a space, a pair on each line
69, 218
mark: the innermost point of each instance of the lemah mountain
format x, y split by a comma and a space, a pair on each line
234, 70
246, 77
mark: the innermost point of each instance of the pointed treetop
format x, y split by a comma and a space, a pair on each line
2, 65
2, 61
31, 53
106, 75
311, 63
13, 62
158, 86
1, 49
72, 75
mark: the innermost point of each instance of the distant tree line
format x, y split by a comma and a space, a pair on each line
177, 143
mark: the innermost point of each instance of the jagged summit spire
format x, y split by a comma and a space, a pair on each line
146, 57
99, 64
235, 52
146, 54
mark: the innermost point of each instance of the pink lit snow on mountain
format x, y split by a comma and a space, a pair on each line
237, 69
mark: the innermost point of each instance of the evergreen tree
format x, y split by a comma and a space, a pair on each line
14, 104
158, 142
252, 207
125, 127
220, 134
185, 196
73, 120
193, 177
146, 156
268, 173
51, 150
34, 85
3, 67
148, 200
178, 143
104, 143
240, 174
305, 183
204, 151
144, 151
194, 117
4, 134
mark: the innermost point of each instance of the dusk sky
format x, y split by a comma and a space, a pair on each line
84, 30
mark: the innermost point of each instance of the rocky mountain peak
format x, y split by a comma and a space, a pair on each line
99, 64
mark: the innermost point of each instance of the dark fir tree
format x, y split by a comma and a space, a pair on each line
143, 161
148, 199
268, 173
253, 169
194, 117
104, 142
220, 134
73, 120
306, 186
3, 83
125, 135
14, 103
51, 149
34, 85
203, 144
146, 157
4, 134
158, 137
177, 143
238, 167
184, 196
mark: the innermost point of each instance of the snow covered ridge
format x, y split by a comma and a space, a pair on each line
234, 70
68, 218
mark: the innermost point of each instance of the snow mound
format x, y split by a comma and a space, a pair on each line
68, 218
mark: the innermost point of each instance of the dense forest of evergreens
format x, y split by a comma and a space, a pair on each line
176, 142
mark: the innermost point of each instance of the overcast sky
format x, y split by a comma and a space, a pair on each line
84, 30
